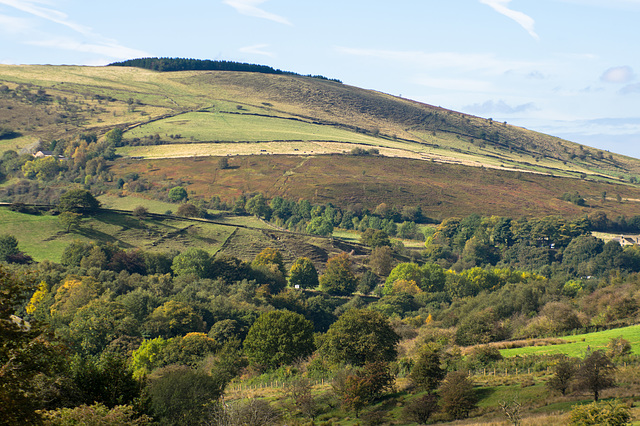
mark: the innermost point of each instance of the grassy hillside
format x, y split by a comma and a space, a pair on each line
447, 162
63, 100
44, 238
577, 346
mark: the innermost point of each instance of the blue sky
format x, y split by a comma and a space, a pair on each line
570, 68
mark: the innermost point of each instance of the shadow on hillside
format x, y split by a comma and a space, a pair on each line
100, 236
121, 220
484, 393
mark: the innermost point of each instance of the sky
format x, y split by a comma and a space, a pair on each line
569, 68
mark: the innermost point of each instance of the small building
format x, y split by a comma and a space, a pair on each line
627, 240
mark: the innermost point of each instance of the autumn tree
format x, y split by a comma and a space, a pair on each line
181, 396
303, 274
427, 372
457, 395
269, 270
366, 385
595, 373
563, 374
173, 318
70, 220
338, 277
192, 261
381, 260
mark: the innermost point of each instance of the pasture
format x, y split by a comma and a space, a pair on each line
576, 346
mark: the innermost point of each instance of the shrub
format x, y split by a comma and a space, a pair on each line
618, 346
140, 211
611, 413
177, 193
420, 409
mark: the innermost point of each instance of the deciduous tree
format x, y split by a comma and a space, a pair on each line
338, 278
79, 201
360, 336
277, 338
457, 395
596, 373
303, 274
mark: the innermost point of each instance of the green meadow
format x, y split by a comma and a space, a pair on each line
576, 346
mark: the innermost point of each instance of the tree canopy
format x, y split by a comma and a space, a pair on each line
279, 337
79, 201
360, 336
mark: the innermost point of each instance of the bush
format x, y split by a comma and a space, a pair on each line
610, 413
420, 409
618, 346
177, 193
96, 414
140, 211
484, 355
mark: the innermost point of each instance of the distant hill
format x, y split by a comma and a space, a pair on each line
169, 119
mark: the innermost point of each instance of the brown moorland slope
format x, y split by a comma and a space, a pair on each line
442, 190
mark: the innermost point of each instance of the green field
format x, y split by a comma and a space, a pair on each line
215, 126
43, 237
577, 345
131, 202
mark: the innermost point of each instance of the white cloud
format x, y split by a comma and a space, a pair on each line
525, 21
257, 49
110, 49
90, 42
620, 75
250, 8
46, 13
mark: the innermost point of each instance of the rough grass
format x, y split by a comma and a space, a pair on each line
442, 190
131, 202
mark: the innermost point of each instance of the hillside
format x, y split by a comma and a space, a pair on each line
187, 114
301, 249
